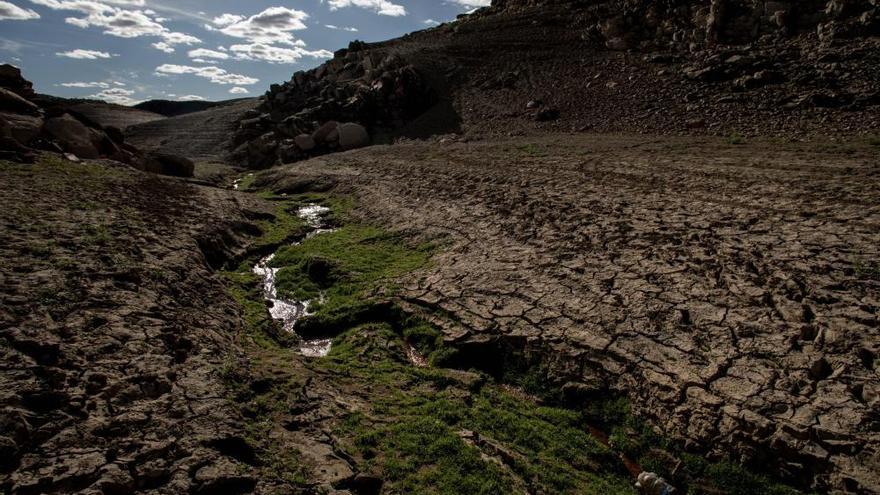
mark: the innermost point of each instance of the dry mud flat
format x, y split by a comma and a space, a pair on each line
730, 291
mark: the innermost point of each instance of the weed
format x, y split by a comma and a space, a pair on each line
735, 138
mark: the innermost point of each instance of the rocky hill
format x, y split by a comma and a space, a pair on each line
174, 108
724, 67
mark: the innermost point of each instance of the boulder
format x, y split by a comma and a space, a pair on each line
353, 136
73, 136
320, 136
115, 134
11, 79
304, 142
23, 128
12, 102
166, 164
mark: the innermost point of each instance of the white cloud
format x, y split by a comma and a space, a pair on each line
85, 85
276, 54
165, 47
273, 25
473, 3
238, 90
381, 7
349, 29
118, 21
227, 19
12, 12
191, 98
214, 74
116, 95
204, 53
431, 22
81, 54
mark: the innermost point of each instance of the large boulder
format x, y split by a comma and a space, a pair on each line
73, 136
353, 136
305, 142
320, 136
23, 128
166, 164
11, 79
12, 102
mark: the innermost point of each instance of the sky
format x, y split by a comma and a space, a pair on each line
128, 51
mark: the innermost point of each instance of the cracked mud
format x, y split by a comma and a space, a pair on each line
731, 292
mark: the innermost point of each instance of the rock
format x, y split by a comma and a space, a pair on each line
115, 134
222, 478
23, 128
11, 79
618, 44
320, 136
547, 114
695, 123
651, 484
12, 102
534, 104
352, 135
305, 142
73, 136
166, 164
367, 484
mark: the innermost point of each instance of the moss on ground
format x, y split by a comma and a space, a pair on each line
341, 271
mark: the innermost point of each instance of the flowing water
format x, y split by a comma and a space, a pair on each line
289, 311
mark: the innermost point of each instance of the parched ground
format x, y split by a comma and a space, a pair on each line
114, 329
731, 291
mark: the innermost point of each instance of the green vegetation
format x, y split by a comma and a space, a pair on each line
636, 440
533, 150
346, 267
445, 432
735, 138
874, 140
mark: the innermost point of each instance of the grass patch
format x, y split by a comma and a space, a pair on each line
345, 268
532, 149
735, 138
874, 140
445, 432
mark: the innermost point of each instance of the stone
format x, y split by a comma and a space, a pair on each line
23, 128
73, 136
12, 102
166, 164
352, 135
320, 135
305, 142
11, 79
547, 114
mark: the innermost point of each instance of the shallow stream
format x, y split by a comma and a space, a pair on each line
289, 311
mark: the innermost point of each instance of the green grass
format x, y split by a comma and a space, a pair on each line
346, 267
874, 140
412, 434
735, 138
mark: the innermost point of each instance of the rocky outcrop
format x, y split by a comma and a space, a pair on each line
364, 87
26, 128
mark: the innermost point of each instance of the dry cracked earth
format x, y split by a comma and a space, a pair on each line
730, 291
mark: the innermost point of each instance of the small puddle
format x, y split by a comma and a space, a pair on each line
289, 311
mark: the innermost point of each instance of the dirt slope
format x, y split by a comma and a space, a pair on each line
202, 135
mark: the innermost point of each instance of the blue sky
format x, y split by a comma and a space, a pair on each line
126, 51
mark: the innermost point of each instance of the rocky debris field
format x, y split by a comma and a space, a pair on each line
729, 291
